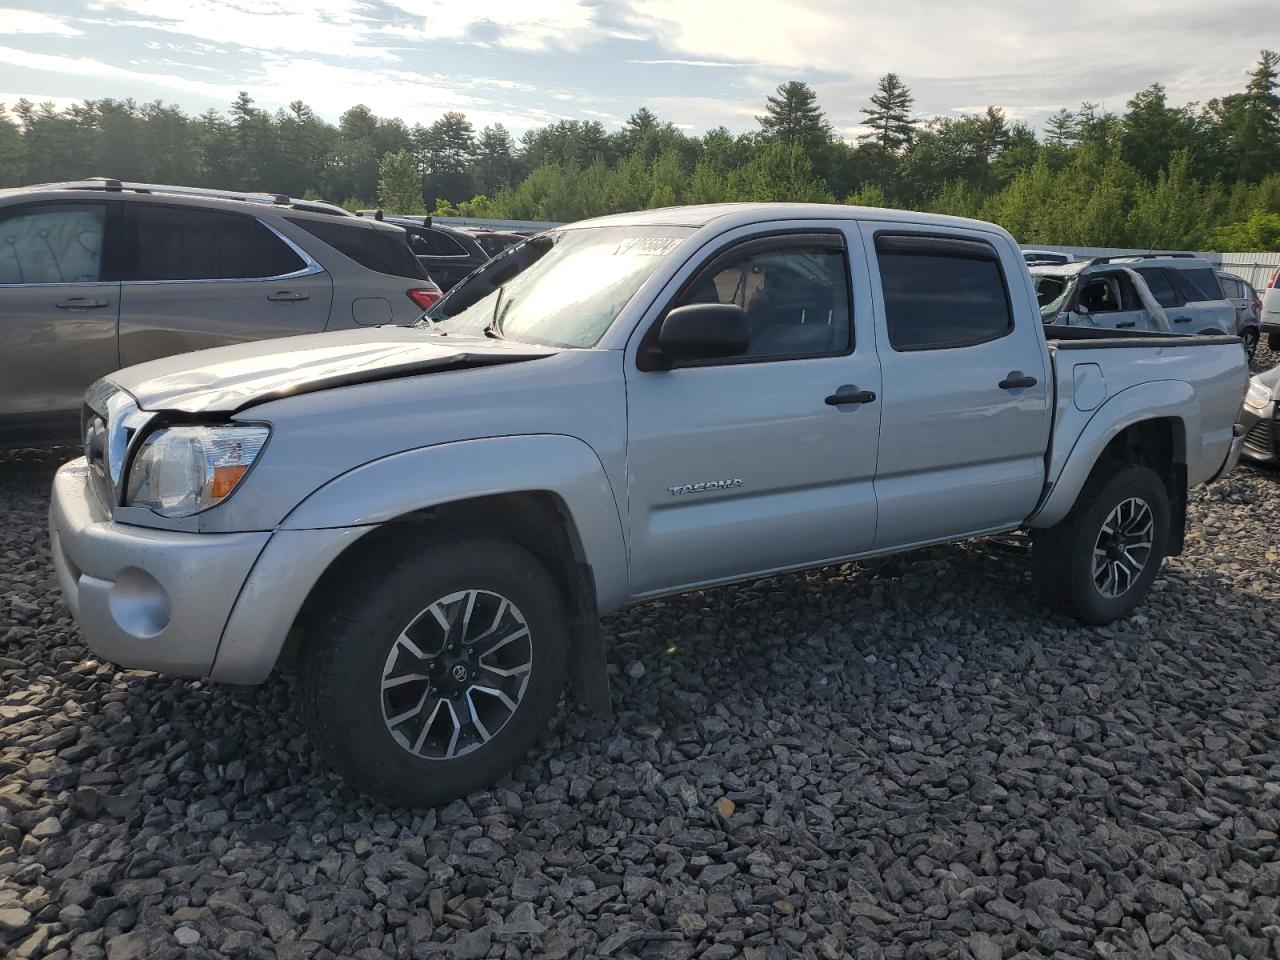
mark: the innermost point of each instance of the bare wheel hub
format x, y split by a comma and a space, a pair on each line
456, 674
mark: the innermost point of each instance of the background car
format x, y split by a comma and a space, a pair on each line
97, 274
1271, 312
1036, 258
447, 254
1260, 417
1248, 309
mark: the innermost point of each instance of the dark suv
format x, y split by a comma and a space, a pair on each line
447, 254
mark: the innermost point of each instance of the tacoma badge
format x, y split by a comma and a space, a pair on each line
682, 488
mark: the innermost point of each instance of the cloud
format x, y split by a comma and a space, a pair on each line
531, 25
688, 63
334, 27
13, 22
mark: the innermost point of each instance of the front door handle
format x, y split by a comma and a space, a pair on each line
850, 394
1181, 319
1017, 379
80, 303
1126, 324
287, 296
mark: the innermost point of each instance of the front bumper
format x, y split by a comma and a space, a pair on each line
151, 599
1262, 433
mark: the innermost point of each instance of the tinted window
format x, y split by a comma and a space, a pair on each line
381, 251
796, 298
52, 244
182, 243
494, 244
433, 243
1198, 285
1161, 287
941, 293
1230, 288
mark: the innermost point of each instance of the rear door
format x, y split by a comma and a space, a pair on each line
199, 278
1169, 295
59, 303
965, 416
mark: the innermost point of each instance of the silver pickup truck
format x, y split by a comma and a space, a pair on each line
429, 521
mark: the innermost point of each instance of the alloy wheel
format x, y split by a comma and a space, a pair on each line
456, 674
1123, 547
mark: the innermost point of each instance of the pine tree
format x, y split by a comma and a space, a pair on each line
447, 155
1250, 122
400, 183
792, 116
889, 115
495, 159
1062, 129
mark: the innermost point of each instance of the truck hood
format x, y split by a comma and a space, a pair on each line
230, 379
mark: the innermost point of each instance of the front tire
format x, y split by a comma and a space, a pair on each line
437, 670
1099, 562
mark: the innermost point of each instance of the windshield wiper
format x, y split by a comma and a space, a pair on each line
494, 327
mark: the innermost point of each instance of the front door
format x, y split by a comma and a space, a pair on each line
203, 278
965, 419
767, 460
57, 315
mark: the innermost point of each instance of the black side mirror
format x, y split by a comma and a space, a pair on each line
704, 331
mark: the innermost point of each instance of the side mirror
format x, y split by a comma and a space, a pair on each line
704, 331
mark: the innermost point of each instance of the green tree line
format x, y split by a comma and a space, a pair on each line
1201, 176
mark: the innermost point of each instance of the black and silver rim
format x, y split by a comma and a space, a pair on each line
1123, 547
456, 674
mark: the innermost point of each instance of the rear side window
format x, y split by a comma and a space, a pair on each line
52, 243
1161, 286
381, 251
1230, 288
431, 243
941, 292
1198, 285
182, 243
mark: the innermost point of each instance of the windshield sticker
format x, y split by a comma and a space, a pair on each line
646, 246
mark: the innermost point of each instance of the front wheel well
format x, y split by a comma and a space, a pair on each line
537, 520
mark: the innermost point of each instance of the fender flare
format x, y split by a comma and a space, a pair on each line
1155, 400
564, 466
315, 533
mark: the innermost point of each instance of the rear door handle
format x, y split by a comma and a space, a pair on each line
1181, 319
1017, 379
850, 394
80, 303
1126, 324
287, 296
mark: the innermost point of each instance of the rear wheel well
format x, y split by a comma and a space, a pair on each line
1160, 445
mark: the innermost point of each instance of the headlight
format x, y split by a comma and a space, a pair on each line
1257, 396
180, 471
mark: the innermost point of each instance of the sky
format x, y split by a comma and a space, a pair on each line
698, 63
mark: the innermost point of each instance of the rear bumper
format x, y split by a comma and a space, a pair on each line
151, 599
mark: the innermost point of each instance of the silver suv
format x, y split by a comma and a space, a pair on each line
97, 275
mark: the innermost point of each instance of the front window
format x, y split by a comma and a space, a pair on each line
1051, 292
559, 289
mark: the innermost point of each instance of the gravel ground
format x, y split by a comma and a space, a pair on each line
910, 761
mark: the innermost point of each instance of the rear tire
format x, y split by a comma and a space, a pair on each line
458, 633
1098, 563
1250, 340
1273, 342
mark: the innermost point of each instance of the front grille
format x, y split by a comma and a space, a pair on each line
1261, 439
